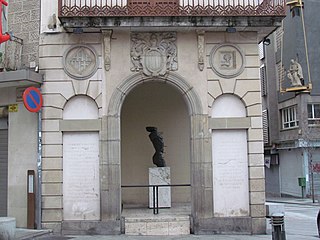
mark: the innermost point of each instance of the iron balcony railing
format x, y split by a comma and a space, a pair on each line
127, 8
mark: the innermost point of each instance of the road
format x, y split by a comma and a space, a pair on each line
300, 221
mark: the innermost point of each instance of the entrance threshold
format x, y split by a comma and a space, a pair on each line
170, 221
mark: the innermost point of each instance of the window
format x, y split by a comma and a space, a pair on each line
314, 114
261, 50
263, 80
265, 125
289, 117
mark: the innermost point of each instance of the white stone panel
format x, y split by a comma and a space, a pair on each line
94, 89
160, 176
256, 122
50, 125
51, 150
80, 86
214, 89
136, 228
89, 109
50, 63
256, 160
157, 228
51, 215
257, 172
52, 163
51, 189
228, 106
252, 61
52, 50
179, 227
64, 88
81, 191
53, 100
252, 98
227, 85
255, 110
51, 113
256, 147
255, 134
249, 73
230, 173
51, 138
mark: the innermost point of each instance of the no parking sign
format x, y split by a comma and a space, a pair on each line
32, 99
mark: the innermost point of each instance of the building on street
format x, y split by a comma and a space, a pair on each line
290, 107
112, 68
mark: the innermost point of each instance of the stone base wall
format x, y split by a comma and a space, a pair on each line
90, 227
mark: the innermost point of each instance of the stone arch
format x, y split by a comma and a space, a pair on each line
111, 144
193, 101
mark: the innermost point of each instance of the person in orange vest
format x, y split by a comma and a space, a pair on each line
3, 37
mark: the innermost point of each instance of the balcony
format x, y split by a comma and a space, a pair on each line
90, 14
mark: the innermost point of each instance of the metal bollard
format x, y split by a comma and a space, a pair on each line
318, 223
277, 222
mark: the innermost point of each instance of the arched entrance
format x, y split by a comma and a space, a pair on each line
160, 105
199, 141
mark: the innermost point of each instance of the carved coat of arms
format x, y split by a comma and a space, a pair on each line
154, 53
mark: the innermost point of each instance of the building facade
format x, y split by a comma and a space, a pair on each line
291, 113
110, 69
18, 128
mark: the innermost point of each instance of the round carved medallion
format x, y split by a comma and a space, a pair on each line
80, 62
227, 60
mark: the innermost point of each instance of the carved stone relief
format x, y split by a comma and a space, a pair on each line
227, 60
154, 53
200, 49
107, 48
80, 62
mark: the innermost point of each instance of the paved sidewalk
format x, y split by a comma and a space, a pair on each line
24, 234
288, 200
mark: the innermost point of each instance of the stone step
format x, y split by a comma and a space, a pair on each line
157, 225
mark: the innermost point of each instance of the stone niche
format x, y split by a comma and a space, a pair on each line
230, 161
81, 183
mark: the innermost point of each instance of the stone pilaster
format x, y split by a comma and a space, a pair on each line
110, 171
201, 168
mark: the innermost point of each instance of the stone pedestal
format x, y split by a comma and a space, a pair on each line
160, 176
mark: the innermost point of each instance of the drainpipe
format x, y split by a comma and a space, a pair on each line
39, 170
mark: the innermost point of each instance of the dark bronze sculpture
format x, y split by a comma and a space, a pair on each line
158, 145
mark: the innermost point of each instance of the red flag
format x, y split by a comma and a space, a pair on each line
3, 37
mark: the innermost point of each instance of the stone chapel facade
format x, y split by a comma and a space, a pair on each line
196, 82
